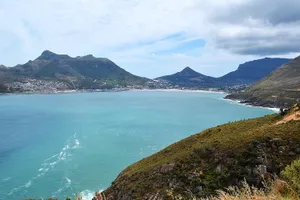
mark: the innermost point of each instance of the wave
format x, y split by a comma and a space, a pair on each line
276, 110
6, 179
86, 195
67, 185
49, 163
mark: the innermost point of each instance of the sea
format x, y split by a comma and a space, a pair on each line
62, 145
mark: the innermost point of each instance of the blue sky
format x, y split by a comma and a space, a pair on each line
152, 38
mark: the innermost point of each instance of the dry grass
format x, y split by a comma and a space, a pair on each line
277, 190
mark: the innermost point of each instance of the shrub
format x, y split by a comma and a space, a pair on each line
292, 175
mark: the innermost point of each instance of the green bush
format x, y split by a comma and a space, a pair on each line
292, 175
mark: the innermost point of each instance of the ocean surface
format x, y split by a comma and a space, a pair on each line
59, 145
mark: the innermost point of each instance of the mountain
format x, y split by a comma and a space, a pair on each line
252, 71
189, 78
281, 88
245, 75
65, 72
214, 159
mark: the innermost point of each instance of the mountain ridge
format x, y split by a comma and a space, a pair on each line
64, 72
189, 78
281, 88
246, 74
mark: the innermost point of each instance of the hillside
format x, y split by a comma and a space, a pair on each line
245, 75
54, 71
190, 79
281, 88
213, 159
253, 71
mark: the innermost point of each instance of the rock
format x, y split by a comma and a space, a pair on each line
260, 170
219, 168
199, 189
292, 153
167, 168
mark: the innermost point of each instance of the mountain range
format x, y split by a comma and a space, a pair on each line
281, 88
246, 74
64, 72
52, 72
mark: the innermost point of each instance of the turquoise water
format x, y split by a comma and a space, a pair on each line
62, 144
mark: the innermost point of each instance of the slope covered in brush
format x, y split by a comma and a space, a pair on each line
279, 88
213, 159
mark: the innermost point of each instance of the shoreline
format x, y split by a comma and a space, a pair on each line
113, 90
177, 90
240, 102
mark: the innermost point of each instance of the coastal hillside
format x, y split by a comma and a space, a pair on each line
226, 155
281, 88
52, 71
188, 78
252, 71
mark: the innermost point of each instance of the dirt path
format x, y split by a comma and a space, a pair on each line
293, 116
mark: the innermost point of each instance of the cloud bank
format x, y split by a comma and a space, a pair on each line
152, 38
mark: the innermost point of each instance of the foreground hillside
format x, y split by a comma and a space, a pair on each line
281, 88
216, 158
50, 72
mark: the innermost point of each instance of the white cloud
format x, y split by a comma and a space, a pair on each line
130, 32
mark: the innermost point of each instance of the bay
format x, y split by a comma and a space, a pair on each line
61, 144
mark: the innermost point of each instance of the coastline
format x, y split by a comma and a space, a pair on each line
113, 90
177, 90
241, 102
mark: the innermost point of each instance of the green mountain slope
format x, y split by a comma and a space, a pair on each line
213, 159
85, 72
253, 71
246, 74
190, 79
280, 88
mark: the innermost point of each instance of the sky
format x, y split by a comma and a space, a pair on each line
152, 38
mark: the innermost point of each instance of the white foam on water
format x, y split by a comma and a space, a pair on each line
87, 195
51, 162
28, 184
247, 105
68, 180
67, 185
77, 144
6, 179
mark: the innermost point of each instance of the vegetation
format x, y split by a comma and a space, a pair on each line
249, 159
3, 88
214, 159
281, 88
253, 71
190, 79
85, 72
292, 175
246, 74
